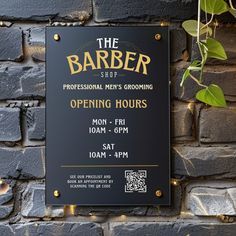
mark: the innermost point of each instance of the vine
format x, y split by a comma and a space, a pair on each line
208, 47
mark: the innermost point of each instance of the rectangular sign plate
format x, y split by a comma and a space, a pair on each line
107, 116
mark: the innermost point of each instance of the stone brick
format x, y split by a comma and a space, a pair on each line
217, 162
22, 81
110, 211
106, 10
227, 37
53, 228
33, 203
178, 44
5, 211
36, 35
212, 200
224, 76
36, 123
22, 163
72, 10
36, 43
11, 44
10, 124
193, 228
38, 53
182, 120
218, 125
6, 195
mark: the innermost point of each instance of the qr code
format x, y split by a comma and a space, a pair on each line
135, 181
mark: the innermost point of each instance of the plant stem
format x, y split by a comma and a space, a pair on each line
209, 22
231, 5
196, 80
198, 20
198, 38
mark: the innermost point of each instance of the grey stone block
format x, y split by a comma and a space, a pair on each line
72, 10
51, 229
193, 228
36, 123
182, 120
106, 10
5, 197
10, 44
36, 35
22, 163
22, 81
33, 203
38, 54
5, 211
212, 200
110, 211
10, 124
36, 43
6, 206
223, 76
178, 44
217, 162
218, 125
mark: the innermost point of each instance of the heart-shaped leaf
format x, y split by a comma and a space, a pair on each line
212, 95
190, 27
214, 6
215, 49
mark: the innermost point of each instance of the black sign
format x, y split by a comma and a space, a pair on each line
107, 116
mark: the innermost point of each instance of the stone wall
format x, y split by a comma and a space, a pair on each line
203, 138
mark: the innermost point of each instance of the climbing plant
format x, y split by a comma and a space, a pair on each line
209, 47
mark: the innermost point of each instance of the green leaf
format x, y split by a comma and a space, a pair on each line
190, 27
214, 6
233, 12
215, 49
195, 66
212, 95
184, 77
204, 50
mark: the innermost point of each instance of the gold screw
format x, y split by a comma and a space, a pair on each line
56, 37
158, 37
56, 193
158, 193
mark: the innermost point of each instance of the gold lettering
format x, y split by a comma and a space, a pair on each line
74, 60
143, 62
129, 58
88, 61
116, 55
102, 58
115, 59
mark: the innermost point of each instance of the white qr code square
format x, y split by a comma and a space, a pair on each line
135, 181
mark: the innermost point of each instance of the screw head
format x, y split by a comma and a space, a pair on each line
56, 37
158, 193
157, 37
56, 193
